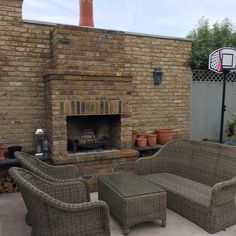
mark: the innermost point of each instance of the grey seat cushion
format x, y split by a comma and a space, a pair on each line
187, 188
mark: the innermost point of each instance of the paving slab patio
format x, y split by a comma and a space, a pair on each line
12, 222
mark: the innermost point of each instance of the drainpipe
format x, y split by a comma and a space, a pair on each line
86, 13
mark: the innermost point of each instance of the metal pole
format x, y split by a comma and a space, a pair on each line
223, 107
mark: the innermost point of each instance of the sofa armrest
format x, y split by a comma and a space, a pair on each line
147, 165
156, 163
144, 165
223, 192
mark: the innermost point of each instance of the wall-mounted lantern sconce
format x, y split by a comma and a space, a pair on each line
157, 75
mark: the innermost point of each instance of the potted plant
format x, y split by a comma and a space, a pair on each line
231, 129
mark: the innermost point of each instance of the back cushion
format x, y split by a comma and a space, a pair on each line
201, 161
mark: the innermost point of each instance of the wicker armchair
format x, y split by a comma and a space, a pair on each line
61, 209
49, 172
200, 180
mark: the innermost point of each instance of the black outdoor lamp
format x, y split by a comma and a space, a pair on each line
157, 75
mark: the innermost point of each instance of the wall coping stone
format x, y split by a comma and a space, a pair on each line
36, 22
57, 25
158, 36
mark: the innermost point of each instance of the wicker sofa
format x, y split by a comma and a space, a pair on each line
200, 179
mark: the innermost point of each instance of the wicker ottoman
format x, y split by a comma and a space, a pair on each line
132, 199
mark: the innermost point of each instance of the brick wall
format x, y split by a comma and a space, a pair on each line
166, 105
24, 55
87, 50
27, 53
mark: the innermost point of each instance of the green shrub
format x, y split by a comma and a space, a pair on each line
231, 126
207, 39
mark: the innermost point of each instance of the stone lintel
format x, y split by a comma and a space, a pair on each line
89, 76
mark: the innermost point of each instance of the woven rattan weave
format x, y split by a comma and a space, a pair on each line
49, 172
132, 199
46, 171
200, 179
61, 209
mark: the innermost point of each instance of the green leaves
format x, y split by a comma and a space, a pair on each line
231, 126
207, 39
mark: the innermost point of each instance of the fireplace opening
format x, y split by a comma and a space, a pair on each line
93, 133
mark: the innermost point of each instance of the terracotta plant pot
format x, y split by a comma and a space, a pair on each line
134, 136
141, 135
151, 139
1, 152
141, 142
164, 135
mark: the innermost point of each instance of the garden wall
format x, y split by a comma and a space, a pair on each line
26, 57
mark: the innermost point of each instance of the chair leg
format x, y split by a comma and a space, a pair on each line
163, 223
28, 219
125, 230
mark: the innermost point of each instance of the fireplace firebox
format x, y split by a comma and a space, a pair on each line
93, 133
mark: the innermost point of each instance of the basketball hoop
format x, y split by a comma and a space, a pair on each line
223, 60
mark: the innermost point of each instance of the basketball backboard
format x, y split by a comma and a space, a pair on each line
223, 59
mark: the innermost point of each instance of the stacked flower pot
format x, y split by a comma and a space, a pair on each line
142, 139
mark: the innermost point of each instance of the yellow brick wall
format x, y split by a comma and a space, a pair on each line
24, 55
28, 51
166, 105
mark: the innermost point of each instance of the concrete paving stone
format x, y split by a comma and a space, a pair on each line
12, 222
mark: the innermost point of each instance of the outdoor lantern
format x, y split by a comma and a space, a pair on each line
157, 75
39, 141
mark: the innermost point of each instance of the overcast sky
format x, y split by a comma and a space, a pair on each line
167, 17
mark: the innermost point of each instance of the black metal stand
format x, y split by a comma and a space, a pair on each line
223, 107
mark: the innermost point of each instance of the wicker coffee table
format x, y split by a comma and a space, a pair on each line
132, 199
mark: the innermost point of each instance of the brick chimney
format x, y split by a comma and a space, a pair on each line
86, 13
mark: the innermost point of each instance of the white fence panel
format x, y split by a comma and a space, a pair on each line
206, 99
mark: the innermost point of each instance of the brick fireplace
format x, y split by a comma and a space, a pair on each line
81, 99
65, 79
